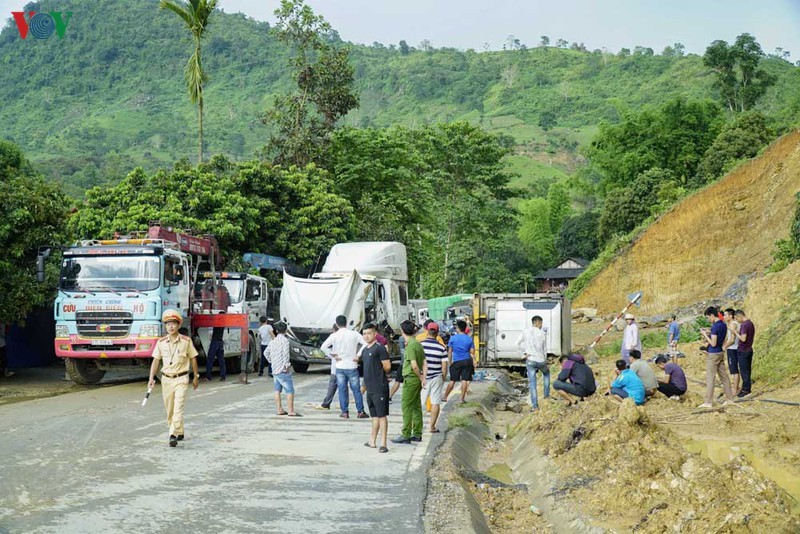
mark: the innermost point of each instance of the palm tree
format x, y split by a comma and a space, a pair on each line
195, 13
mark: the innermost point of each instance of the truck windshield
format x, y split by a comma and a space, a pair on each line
97, 273
235, 289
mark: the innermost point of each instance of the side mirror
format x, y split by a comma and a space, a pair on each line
44, 253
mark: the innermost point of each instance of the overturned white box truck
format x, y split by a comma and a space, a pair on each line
367, 282
500, 318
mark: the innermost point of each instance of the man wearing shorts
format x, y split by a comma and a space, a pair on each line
435, 367
277, 353
460, 352
376, 364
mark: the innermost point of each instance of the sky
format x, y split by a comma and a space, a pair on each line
610, 24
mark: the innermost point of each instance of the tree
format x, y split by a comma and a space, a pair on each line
469, 206
578, 236
33, 214
545, 41
252, 206
626, 207
535, 232
305, 118
740, 139
561, 43
558, 206
547, 120
674, 137
196, 14
739, 79
404, 48
679, 49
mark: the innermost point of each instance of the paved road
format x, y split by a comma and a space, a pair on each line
96, 461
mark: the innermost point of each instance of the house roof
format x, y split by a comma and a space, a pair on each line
557, 274
579, 261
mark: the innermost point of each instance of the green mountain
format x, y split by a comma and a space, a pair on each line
110, 95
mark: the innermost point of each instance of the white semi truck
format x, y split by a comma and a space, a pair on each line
364, 281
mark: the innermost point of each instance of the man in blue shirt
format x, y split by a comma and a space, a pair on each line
715, 359
460, 352
626, 384
673, 336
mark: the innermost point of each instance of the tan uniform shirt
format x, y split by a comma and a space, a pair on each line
174, 355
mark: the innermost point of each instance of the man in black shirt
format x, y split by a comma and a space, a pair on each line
576, 379
376, 365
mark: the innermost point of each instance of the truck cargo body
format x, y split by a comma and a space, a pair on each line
500, 318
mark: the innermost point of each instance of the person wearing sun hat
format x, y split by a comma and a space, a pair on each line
630, 338
177, 353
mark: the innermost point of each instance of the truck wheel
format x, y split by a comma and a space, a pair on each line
83, 371
234, 365
300, 367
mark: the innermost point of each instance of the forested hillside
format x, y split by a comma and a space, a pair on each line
489, 166
110, 95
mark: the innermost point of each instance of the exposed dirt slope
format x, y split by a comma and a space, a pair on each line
701, 247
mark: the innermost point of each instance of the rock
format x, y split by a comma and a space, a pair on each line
633, 415
738, 206
655, 486
689, 469
579, 313
535, 510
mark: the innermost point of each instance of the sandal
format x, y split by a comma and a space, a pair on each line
370, 446
383, 449
283, 413
295, 415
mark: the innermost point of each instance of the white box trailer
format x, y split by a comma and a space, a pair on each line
500, 318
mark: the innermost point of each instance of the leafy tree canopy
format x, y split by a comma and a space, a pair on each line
251, 206
33, 213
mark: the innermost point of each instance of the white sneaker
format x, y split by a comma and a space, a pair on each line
675, 398
706, 405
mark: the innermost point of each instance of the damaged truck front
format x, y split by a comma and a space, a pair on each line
366, 282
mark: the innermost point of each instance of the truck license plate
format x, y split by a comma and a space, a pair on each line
102, 342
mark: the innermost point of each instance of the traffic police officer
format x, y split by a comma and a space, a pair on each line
175, 352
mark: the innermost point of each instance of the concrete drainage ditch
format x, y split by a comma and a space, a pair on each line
485, 481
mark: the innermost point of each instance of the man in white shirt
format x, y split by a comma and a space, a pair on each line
533, 344
630, 338
344, 346
265, 333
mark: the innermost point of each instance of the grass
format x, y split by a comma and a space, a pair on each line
530, 171
458, 420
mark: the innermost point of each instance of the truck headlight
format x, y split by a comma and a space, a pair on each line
296, 350
62, 330
150, 330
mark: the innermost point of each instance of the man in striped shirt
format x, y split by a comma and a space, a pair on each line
434, 369
277, 354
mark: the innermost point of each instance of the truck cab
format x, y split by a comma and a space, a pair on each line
109, 302
365, 281
249, 295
